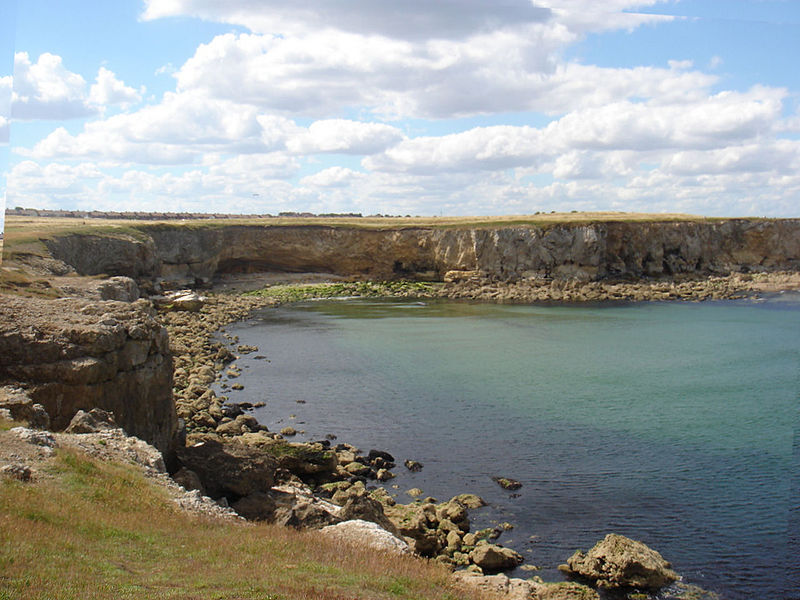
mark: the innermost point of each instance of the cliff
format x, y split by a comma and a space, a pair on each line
180, 255
74, 354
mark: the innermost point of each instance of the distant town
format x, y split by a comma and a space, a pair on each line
19, 211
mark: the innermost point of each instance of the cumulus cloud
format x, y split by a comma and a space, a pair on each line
179, 130
332, 177
47, 90
410, 20
328, 72
348, 137
107, 89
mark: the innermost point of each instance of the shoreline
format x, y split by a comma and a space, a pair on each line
724, 288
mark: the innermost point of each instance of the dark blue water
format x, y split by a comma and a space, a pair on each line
672, 423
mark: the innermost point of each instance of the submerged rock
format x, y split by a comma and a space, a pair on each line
618, 561
507, 483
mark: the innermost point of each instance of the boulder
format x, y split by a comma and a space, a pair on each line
364, 508
257, 506
566, 590
507, 483
229, 468
492, 558
17, 471
22, 408
469, 500
123, 289
305, 514
189, 480
413, 465
366, 533
94, 421
618, 561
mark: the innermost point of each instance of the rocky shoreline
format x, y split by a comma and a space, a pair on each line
225, 454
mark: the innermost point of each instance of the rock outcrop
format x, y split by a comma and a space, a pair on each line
618, 561
179, 256
72, 355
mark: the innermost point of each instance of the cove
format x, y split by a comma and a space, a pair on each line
672, 423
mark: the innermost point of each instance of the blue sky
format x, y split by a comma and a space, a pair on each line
438, 107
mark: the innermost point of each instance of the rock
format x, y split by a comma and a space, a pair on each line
366, 533
499, 586
373, 454
76, 354
413, 465
257, 506
22, 408
246, 349
288, 431
469, 500
94, 421
566, 590
384, 475
229, 468
241, 424
123, 289
17, 471
366, 509
618, 561
185, 300
189, 480
305, 514
37, 438
507, 483
492, 558
357, 468
414, 492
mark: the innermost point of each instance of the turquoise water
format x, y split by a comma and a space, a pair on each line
672, 423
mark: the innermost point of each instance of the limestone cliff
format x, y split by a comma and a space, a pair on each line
185, 255
75, 354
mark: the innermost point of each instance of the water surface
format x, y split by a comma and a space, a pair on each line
671, 423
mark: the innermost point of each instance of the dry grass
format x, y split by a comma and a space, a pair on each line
99, 530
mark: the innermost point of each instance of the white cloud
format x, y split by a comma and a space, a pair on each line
179, 130
409, 20
4, 131
107, 89
332, 177
349, 137
47, 90
328, 72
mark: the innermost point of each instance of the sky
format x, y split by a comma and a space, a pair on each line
421, 107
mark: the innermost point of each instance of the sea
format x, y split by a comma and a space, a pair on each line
672, 423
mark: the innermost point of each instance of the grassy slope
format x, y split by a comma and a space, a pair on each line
100, 530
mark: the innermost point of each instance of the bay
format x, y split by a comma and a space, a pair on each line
672, 423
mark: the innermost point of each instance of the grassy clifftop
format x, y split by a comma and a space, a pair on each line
85, 528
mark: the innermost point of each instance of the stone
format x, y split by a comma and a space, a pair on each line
566, 590
257, 506
366, 533
618, 561
507, 483
120, 288
469, 500
366, 508
413, 465
94, 421
414, 492
37, 438
305, 514
288, 431
17, 471
357, 468
492, 558
189, 480
229, 467
22, 408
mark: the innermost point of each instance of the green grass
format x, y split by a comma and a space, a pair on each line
100, 530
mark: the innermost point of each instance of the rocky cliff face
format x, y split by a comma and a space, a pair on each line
76, 354
179, 255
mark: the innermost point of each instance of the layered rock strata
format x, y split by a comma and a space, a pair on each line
71, 354
178, 255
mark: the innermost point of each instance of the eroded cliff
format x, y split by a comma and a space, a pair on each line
72, 354
180, 255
